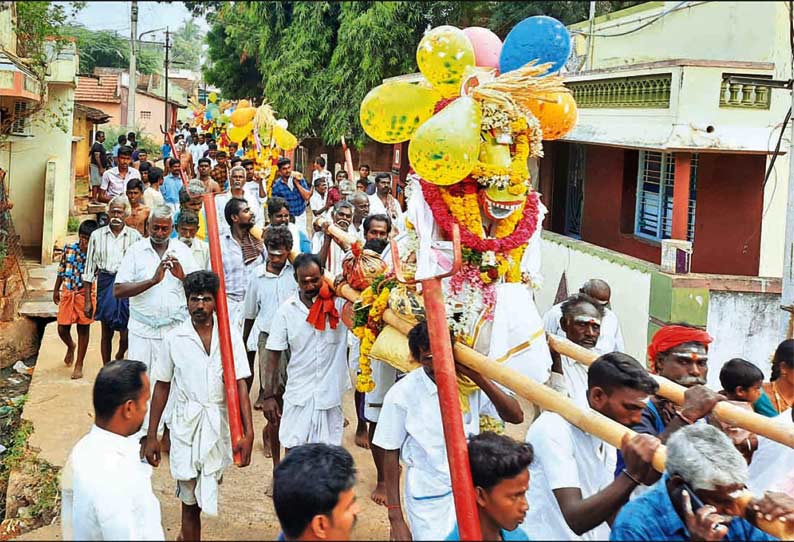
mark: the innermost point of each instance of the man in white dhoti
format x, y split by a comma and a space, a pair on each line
151, 275
190, 365
106, 490
611, 338
308, 324
410, 429
330, 251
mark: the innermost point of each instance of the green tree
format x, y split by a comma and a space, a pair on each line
186, 51
237, 77
104, 48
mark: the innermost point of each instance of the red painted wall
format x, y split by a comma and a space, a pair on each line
728, 209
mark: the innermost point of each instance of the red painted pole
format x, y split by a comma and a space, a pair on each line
446, 382
224, 333
170, 140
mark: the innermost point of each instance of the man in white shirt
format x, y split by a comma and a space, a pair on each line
236, 182
106, 248
319, 171
611, 338
106, 490
317, 373
197, 149
410, 430
360, 203
114, 180
186, 227
272, 284
330, 251
319, 203
573, 491
254, 186
383, 202
581, 322
190, 369
151, 275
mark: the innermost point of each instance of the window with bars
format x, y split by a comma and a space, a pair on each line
21, 125
146, 115
654, 216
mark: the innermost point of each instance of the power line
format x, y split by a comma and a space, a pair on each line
648, 23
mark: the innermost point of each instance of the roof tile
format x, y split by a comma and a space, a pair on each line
101, 88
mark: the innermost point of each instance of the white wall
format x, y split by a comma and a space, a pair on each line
630, 282
743, 325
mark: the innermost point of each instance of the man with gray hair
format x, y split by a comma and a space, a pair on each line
330, 251
696, 497
236, 182
106, 248
610, 338
151, 275
191, 199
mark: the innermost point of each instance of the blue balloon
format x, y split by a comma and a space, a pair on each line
207, 115
543, 38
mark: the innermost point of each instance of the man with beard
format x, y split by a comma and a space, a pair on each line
383, 202
330, 251
581, 323
106, 490
272, 284
574, 493
309, 326
186, 227
106, 249
678, 353
190, 366
236, 183
150, 276
204, 175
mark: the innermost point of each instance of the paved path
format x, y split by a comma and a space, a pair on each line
61, 412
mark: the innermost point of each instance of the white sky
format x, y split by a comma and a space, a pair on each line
151, 15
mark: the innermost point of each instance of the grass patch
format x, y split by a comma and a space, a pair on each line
73, 224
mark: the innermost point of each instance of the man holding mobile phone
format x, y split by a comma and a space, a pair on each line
698, 496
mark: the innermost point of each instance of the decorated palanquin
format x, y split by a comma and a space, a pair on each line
474, 120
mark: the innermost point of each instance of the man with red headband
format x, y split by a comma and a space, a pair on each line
678, 353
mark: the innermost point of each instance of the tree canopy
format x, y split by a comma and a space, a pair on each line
108, 49
186, 50
315, 61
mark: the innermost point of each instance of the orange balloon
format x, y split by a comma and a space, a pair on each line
557, 117
243, 103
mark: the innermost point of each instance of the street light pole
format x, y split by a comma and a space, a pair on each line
132, 87
167, 47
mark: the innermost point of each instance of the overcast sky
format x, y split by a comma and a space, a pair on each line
151, 15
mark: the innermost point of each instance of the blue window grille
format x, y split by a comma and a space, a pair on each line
654, 212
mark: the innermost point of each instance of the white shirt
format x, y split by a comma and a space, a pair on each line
197, 151
772, 467
107, 491
575, 377
317, 367
410, 420
333, 263
266, 293
251, 189
395, 212
200, 440
609, 340
164, 303
114, 184
317, 202
201, 253
565, 456
152, 198
105, 250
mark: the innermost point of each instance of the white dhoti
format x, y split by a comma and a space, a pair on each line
236, 312
147, 350
306, 425
384, 376
429, 505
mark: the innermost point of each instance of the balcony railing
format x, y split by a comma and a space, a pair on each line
742, 95
652, 91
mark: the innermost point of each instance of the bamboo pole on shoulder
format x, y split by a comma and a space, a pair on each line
732, 414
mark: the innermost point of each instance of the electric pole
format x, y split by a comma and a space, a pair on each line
167, 47
133, 79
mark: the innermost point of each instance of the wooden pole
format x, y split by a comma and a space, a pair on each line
732, 414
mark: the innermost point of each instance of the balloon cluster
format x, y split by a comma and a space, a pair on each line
442, 115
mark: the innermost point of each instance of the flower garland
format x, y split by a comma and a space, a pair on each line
368, 322
469, 296
526, 222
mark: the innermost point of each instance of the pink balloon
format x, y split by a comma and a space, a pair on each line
487, 46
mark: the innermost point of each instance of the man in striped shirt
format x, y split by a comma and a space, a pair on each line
106, 248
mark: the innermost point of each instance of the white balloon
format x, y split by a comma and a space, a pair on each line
283, 123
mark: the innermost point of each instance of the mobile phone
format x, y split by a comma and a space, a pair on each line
694, 500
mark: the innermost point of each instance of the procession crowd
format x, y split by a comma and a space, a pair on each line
145, 275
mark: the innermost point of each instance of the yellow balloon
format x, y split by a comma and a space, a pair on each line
239, 133
243, 103
283, 139
444, 149
242, 115
391, 112
442, 56
213, 97
557, 117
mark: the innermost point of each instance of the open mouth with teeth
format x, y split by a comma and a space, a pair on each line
499, 210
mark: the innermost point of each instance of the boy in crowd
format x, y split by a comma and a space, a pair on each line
151, 196
69, 295
139, 213
741, 381
410, 429
499, 472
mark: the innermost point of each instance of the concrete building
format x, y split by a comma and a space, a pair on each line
666, 148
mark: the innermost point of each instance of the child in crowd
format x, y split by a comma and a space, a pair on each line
69, 296
742, 381
140, 212
151, 196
